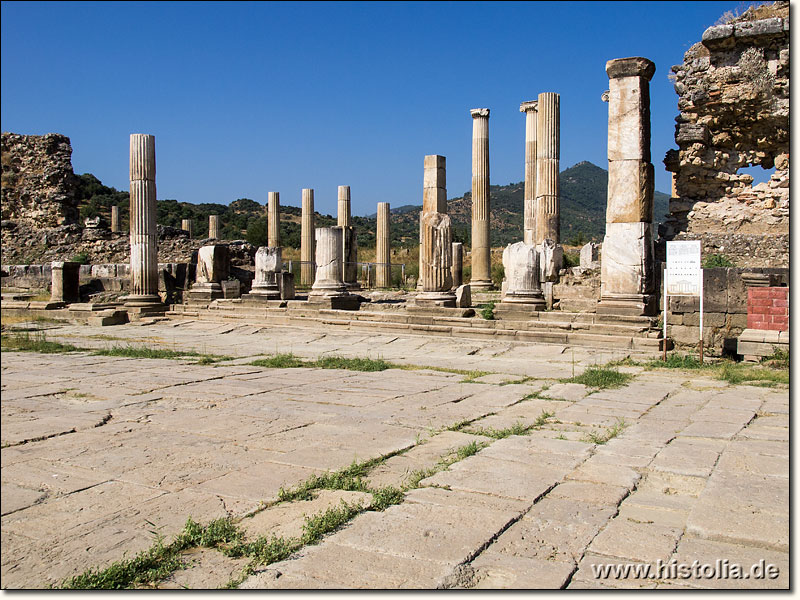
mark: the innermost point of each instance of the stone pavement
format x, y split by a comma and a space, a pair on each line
100, 453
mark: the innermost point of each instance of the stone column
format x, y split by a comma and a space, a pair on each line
531, 117
273, 220
144, 238
343, 206
383, 254
268, 267
65, 282
115, 221
213, 227
521, 266
458, 264
307, 238
481, 249
626, 271
213, 267
350, 246
186, 225
328, 281
435, 249
547, 165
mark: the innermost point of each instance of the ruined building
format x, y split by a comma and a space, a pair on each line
733, 90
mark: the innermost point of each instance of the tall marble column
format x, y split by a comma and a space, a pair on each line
481, 249
144, 237
307, 238
529, 197
383, 255
458, 264
186, 225
436, 238
273, 220
626, 271
548, 128
328, 281
213, 227
350, 246
115, 221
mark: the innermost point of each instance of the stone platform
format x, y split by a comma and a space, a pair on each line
99, 452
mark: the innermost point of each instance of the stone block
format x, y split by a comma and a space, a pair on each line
551, 260
286, 285
231, 288
627, 259
630, 191
762, 27
690, 133
65, 286
717, 32
463, 296
629, 119
213, 264
590, 256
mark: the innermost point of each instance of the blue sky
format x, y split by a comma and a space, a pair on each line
246, 98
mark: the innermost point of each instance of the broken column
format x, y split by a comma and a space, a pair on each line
627, 278
186, 225
213, 267
268, 268
521, 266
349, 242
529, 195
307, 238
481, 278
383, 254
65, 282
435, 249
213, 227
115, 220
329, 289
144, 237
458, 264
273, 220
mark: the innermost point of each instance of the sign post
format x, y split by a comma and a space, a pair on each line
684, 277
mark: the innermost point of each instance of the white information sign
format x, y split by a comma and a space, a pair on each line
684, 274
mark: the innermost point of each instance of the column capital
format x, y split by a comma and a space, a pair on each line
479, 112
633, 66
529, 106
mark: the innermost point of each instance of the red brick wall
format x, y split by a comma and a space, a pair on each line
768, 308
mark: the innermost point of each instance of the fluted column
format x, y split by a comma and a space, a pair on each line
186, 225
328, 281
626, 272
383, 255
547, 164
481, 249
307, 238
268, 265
458, 264
115, 221
213, 227
435, 238
343, 207
144, 237
529, 196
273, 220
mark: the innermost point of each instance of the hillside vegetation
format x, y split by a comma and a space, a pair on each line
583, 207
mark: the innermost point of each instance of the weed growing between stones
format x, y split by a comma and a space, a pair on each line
600, 438
600, 378
280, 361
24, 342
518, 428
487, 311
145, 352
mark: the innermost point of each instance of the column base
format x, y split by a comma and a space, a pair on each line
515, 311
271, 292
144, 300
481, 285
344, 302
442, 299
206, 291
627, 305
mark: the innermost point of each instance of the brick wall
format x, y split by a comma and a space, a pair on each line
768, 308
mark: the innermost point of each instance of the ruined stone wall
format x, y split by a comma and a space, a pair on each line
38, 184
733, 90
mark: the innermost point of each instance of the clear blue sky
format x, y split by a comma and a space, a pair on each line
246, 98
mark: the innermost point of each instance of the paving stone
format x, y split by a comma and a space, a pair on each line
466, 500
502, 571
712, 429
688, 456
15, 497
585, 577
203, 569
565, 391
258, 483
633, 511
625, 538
584, 491
287, 519
597, 472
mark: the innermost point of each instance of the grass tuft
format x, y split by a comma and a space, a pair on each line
352, 364
600, 438
24, 342
600, 378
280, 361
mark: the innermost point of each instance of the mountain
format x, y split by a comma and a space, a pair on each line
583, 208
